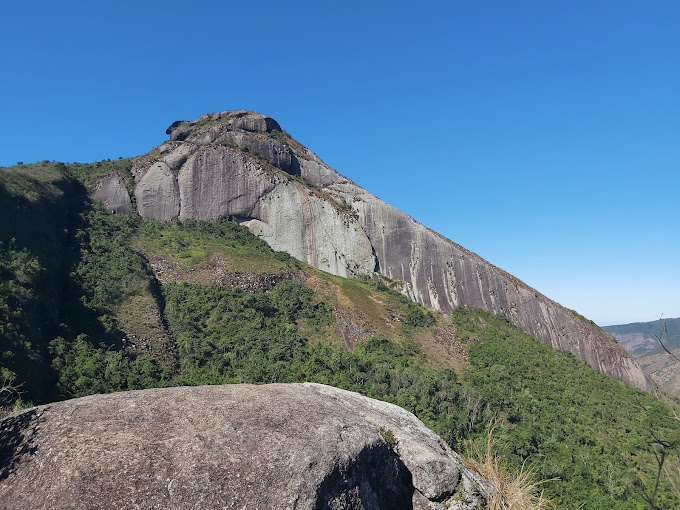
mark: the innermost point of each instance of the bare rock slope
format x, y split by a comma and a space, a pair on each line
240, 164
292, 446
112, 193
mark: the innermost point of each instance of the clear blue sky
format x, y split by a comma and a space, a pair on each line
544, 136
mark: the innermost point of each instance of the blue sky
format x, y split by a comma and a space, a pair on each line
544, 136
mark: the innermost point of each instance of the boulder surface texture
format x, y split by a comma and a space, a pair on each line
287, 446
240, 164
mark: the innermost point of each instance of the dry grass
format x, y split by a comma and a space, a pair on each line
367, 311
516, 490
140, 319
441, 347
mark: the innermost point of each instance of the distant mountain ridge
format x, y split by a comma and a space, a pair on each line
640, 339
241, 164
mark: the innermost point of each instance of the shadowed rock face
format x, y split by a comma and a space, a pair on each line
240, 164
297, 446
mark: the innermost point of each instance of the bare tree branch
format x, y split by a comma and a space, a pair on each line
10, 388
659, 338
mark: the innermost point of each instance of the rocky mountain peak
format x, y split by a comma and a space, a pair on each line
241, 164
230, 120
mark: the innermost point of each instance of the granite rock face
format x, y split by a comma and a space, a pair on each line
241, 164
113, 195
293, 446
217, 182
157, 193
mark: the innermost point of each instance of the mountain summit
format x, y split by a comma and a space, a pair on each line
241, 164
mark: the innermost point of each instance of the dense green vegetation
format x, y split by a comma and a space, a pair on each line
194, 242
591, 433
37, 205
81, 312
19, 273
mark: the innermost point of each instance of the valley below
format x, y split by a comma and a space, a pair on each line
656, 346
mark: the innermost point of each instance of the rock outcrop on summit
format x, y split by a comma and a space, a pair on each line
294, 446
241, 164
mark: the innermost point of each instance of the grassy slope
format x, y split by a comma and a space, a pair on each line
117, 328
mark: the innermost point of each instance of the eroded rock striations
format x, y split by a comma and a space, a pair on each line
293, 446
240, 164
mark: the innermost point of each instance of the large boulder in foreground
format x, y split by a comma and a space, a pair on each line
288, 446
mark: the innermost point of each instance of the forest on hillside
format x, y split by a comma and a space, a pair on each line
82, 312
